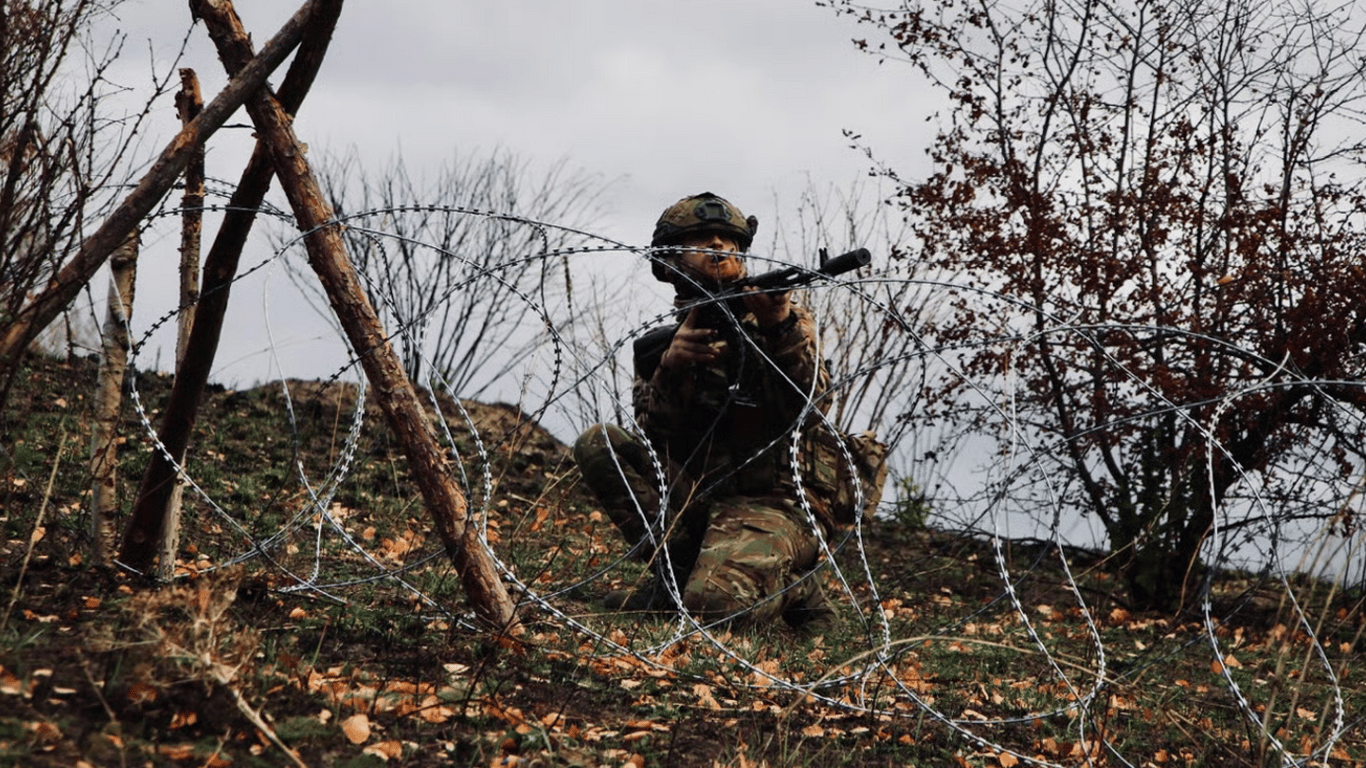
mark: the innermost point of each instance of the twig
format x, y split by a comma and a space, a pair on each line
37, 524
99, 694
265, 728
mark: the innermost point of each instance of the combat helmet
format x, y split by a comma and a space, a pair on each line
700, 213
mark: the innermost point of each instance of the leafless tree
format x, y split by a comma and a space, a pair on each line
64, 153
861, 312
462, 263
1160, 213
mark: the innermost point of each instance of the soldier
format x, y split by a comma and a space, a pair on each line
718, 401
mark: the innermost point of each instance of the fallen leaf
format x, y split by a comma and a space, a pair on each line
141, 693
356, 728
435, 713
177, 751
9, 683
44, 732
385, 750
704, 695
1007, 760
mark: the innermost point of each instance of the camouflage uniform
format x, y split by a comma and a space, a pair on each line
738, 537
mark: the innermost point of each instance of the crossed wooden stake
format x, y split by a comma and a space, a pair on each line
278, 152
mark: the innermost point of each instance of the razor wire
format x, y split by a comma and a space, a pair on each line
582, 373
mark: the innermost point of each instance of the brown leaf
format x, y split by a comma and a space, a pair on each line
177, 751
9, 683
44, 732
356, 728
385, 750
141, 693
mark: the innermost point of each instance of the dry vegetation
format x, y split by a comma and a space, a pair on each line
349, 645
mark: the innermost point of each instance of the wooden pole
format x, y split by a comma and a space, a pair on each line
394, 393
189, 103
220, 267
104, 437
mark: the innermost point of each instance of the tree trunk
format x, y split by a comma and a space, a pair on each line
104, 499
383, 367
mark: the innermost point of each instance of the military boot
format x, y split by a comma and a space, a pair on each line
651, 597
815, 615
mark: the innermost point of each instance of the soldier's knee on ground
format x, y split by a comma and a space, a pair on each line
729, 592
595, 441
750, 564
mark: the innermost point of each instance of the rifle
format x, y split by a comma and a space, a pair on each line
650, 347
787, 278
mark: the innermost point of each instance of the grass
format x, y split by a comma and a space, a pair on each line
344, 639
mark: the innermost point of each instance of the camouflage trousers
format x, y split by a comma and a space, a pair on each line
747, 557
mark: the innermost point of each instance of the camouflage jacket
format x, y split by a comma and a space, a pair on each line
729, 424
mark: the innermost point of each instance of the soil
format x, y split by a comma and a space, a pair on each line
240, 666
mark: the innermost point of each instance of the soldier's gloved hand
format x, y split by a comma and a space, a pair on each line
768, 308
691, 345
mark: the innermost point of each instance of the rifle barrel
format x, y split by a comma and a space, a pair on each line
793, 277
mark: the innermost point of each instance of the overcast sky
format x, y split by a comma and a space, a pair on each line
747, 99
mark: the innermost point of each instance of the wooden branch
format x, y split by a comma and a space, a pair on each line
394, 392
148, 520
95, 250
